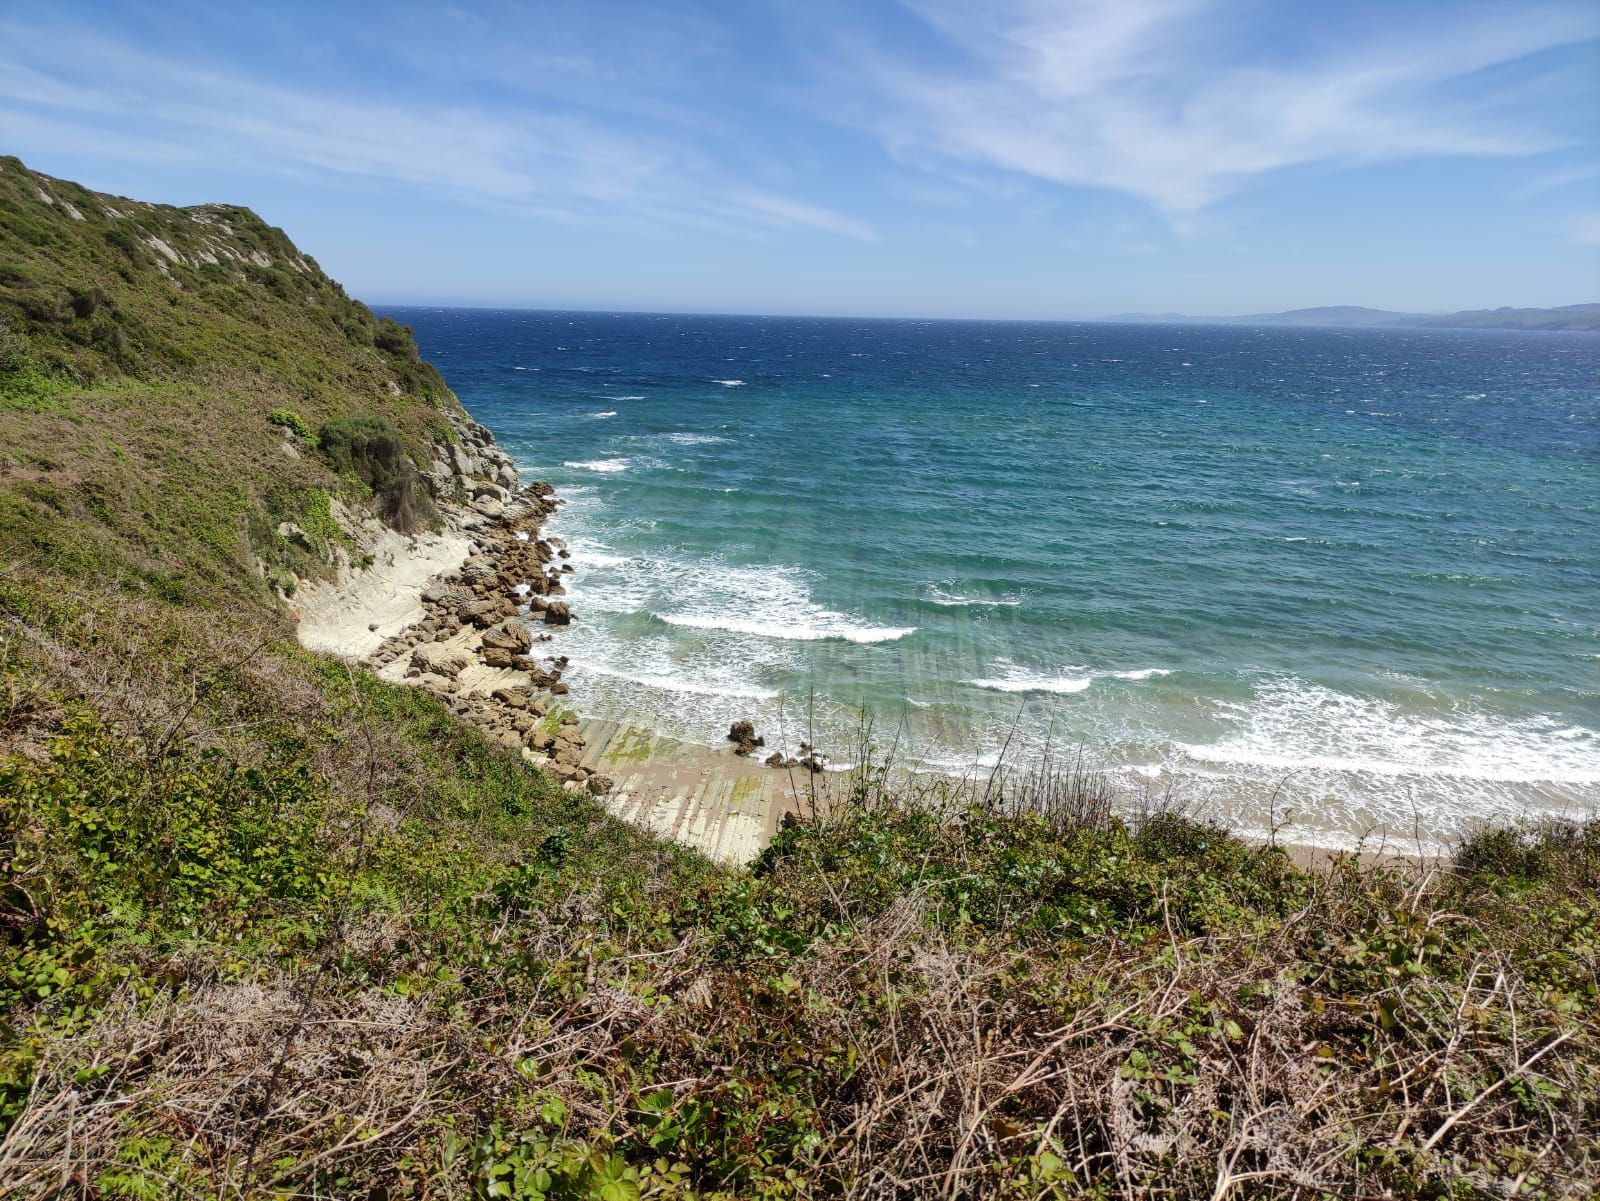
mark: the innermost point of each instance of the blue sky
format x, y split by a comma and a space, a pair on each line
1014, 158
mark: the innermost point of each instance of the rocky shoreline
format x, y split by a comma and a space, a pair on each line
475, 610
483, 623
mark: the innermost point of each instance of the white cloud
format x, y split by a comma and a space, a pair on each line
527, 158
1560, 179
785, 211
1151, 98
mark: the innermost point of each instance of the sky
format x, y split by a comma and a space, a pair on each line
960, 158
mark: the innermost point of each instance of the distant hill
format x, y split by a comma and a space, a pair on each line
1567, 317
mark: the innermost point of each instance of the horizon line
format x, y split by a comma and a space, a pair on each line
1108, 319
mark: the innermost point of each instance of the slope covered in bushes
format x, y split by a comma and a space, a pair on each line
272, 927
164, 375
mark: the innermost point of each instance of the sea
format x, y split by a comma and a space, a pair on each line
1341, 584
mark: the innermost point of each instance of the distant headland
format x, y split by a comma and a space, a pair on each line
1566, 317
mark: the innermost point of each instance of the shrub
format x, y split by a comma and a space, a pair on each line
1560, 852
370, 449
393, 338
291, 421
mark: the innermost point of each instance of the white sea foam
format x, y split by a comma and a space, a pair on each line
729, 383
1020, 679
604, 466
957, 766
671, 683
939, 596
1291, 724
765, 601
603, 415
1069, 680
687, 439
831, 625
608, 397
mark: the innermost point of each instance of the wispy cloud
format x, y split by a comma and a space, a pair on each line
785, 211
549, 160
1152, 97
1560, 179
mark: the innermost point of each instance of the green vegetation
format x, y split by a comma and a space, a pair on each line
290, 420
273, 927
369, 449
149, 358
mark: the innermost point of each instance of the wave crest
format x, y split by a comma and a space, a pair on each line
833, 625
603, 466
1020, 679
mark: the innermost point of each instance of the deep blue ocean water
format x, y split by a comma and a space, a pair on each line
1354, 573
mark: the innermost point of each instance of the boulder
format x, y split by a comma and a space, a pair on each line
776, 759
600, 785
495, 656
510, 636
478, 571
440, 660
556, 613
442, 593
743, 735
488, 506
484, 613
292, 533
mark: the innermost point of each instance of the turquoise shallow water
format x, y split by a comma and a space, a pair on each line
1352, 572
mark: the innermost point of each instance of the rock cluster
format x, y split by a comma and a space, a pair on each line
743, 735
474, 646
809, 758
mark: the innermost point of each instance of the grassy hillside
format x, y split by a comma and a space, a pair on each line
271, 927
154, 364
